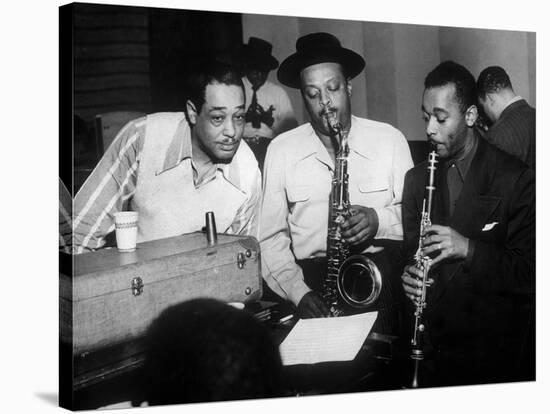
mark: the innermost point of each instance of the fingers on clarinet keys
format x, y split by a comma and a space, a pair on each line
412, 290
431, 249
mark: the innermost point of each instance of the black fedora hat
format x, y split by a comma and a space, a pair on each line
318, 48
257, 54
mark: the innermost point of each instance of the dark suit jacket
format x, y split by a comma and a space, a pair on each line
481, 317
515, 130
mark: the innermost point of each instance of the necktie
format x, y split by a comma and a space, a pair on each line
454, 184
257, 115
253, 115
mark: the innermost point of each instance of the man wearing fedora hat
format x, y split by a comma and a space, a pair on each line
269, 111
299, 168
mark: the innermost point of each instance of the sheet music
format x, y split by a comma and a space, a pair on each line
326, 339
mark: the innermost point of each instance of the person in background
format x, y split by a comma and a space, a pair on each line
269, 111
299, 170
174, 167
514, 121
479, 318
205, 350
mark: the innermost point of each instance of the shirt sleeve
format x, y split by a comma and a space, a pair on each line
389, 217
279, 267
107, 190
65, 218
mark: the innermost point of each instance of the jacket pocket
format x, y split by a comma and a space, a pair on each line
298, 193
373, 188
374, 194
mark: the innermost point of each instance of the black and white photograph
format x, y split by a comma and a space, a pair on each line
290, 209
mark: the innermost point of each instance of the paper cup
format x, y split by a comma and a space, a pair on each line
126, 226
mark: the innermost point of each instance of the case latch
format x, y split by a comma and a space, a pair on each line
241, 260
137, 286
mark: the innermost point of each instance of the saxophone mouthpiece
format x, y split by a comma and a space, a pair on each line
331, 119
337, 127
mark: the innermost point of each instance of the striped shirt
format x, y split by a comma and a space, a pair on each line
65, 218
149, 168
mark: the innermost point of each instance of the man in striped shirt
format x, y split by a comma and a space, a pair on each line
173, 167
65, 218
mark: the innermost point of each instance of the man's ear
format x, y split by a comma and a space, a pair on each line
471, 116
349, 87
491, 98
191, 112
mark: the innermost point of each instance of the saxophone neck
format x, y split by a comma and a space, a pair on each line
336, 131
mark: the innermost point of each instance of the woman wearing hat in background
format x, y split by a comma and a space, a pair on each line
299, 167
269, 111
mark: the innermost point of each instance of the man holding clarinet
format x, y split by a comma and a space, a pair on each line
478, 321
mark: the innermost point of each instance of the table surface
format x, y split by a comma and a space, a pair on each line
371, 370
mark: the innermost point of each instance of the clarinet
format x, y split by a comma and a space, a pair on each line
423, 263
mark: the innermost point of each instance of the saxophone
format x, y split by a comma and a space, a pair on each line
423, 263
352, 280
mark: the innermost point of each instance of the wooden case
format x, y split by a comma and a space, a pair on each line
112, 297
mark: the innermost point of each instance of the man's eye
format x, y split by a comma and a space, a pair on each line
441, 120
334, 88
239, 117
217, 118
425, 118
312, 94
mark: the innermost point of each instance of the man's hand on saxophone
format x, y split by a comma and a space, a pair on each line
312, 305
361, 226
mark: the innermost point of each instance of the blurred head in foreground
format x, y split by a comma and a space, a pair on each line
205, 350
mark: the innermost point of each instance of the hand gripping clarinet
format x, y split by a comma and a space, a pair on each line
423, 263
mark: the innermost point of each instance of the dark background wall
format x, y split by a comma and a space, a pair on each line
176, 38
135, 58
399, 56
111, 59
132, 59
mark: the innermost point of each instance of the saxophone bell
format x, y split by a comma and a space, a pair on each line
359, 281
